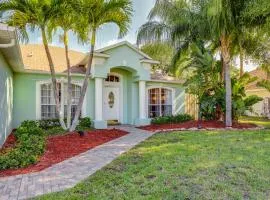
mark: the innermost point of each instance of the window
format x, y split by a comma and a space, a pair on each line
112, 78
48, 107
75, 96
159, 102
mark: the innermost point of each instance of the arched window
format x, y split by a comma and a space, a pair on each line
47, 102
159, 102
113, 78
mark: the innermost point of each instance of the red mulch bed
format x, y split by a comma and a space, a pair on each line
194, 124
10, 142
62, 147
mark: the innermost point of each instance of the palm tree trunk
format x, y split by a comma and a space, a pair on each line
226, 57
222, 68
85, 83
54, 82
241, 55
69, 86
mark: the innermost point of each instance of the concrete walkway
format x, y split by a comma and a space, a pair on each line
68, 173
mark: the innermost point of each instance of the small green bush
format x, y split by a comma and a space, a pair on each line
30, 146
85, 122
171, 119
49, 123
55, 131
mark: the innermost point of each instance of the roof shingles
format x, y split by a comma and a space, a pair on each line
34, 58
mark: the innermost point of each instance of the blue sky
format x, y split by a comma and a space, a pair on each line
109, 33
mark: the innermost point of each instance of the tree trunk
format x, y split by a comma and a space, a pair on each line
225, 42
222, 68
241, 55
69, 86
85, 83
54, 82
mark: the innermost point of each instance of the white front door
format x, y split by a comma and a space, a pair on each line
111, 103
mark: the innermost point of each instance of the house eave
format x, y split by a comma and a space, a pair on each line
166, 81
124, 43
12, 53
154, 62
27, 71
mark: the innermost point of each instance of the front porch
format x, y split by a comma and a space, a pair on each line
120, 97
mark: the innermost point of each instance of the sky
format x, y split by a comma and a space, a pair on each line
109, 33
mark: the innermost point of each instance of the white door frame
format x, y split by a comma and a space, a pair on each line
121, 98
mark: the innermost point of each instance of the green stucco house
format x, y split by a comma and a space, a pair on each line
122, 87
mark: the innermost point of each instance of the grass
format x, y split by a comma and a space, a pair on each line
261, 121
184, 165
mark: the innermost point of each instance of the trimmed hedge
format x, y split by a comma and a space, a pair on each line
30, 146
172, 119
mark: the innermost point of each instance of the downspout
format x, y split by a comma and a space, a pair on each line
11, 44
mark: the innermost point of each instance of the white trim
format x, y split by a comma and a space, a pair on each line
121, 44
166, 81
164, 87
150, 61
121, 91
102, 55
38, 100
98, 99
142, 96
29, 71
62, 80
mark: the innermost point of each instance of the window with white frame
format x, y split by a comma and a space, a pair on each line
47, 103
75, 96
159, 102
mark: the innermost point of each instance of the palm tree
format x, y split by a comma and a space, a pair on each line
227, 19
176, 22
102, 12
36, 14
184, 22
69, 21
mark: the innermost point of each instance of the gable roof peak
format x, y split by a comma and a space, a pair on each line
126, 43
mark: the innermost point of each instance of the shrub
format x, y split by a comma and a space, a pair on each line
49, 123
30, 146
172, 119
85, 122
55, 131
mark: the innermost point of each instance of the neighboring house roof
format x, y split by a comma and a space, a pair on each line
34, 58
9, 47
261, 76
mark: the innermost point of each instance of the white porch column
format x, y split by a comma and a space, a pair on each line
142, 99
98, 99
99, 123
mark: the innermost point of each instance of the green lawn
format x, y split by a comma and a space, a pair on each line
261, 121
185, 165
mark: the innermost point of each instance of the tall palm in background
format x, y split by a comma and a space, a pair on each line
36, 14
213, 21
225, 19
103, 12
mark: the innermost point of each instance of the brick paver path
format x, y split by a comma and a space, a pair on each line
69, 172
